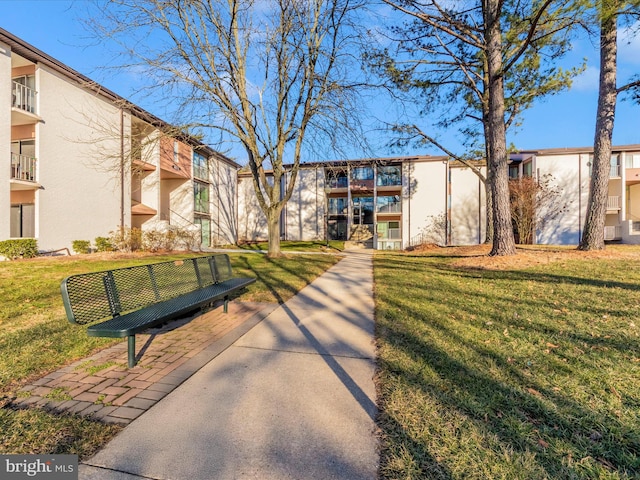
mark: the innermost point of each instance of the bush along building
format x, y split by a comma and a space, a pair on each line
82, 162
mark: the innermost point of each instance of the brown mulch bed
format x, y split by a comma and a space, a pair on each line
477, 256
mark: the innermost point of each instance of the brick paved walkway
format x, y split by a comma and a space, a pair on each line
101, 386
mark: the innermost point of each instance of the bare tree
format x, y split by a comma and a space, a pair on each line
487, 57
609, 14
534, 203
271, 75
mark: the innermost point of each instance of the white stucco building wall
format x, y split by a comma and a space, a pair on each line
77, 170
570, 174
467, 212
424, 199
224, 214
5, 141
252, 223
304, 214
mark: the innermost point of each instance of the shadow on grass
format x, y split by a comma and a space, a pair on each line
442, 338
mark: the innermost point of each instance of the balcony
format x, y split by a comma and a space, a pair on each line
390, 234
337, 182
390, 207
613, 204
614, 171
23, 105
23, 168
613, 232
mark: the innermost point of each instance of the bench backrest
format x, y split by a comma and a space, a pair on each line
89, 297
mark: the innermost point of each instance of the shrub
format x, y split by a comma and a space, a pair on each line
189, 239
19, 248
153, 240
103, 244
127, 239
81, 246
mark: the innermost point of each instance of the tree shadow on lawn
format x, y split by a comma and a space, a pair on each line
522, 415
484, 385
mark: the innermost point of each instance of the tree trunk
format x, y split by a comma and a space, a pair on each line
488, 200
593, 234
273, 231
503, 240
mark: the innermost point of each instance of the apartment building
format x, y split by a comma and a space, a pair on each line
570, 170
82, 161
394, 203
383, 203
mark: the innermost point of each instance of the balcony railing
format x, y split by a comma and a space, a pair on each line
395, 207
23, 167
23, 98
614, 171
613, 232
391, 234
339, 182
613, 203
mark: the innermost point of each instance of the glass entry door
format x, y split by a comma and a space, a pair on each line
362, 211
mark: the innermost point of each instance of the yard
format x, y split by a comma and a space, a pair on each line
524, 367
35, 336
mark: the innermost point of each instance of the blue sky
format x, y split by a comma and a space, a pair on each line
564, 120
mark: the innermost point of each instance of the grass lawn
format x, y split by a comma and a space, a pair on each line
335, 246
520, 368
36, 337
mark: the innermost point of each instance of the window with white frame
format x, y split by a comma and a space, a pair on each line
632, 160
201, 197
200, 166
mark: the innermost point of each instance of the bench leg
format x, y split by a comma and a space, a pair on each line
131, 340
226, 304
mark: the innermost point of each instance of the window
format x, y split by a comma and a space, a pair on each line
205, 230
336, 179
23, 223
201, 197
389, 230
615, 166
362, 173
338, 206
389, 204
389, 176
632, 160
527, 169
200, 166
513, 171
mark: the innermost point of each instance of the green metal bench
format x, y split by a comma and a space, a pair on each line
126, 301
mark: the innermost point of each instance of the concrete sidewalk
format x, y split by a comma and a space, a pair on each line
292, 398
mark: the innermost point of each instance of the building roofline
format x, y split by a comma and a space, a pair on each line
358, 161
365, 161
36, 55
570, 150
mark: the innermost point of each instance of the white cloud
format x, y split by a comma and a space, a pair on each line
587, 81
